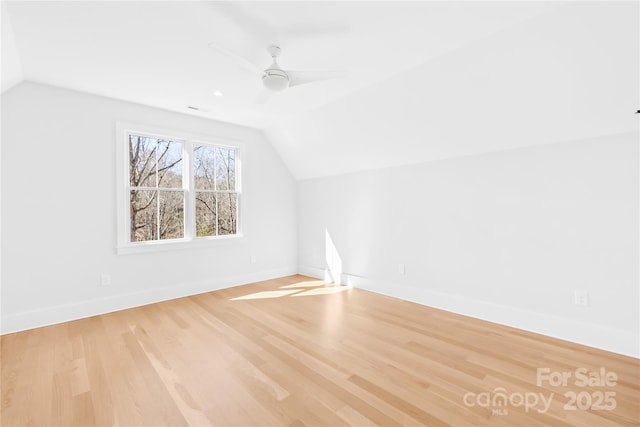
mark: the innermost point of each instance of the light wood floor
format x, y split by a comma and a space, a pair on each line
295, 352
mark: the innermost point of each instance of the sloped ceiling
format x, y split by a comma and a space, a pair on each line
425, 80
569, 74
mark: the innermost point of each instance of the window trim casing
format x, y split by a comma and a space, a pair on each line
190, 240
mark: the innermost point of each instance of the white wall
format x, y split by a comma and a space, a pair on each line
505, 236
59, 212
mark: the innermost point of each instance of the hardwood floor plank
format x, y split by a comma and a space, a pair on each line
103, 407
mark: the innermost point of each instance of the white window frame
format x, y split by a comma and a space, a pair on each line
124, 244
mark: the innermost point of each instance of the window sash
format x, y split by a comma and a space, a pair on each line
155, 211
219, 204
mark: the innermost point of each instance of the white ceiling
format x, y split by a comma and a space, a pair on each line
430, 79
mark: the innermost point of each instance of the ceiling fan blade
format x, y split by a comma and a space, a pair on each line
240, 60
302, 77
264, 96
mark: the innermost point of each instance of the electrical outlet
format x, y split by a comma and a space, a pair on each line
105, 280
581, 297
401, 269
253, 259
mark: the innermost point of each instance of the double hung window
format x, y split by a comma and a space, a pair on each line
176, 189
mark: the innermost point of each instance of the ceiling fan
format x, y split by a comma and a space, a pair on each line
277, 79
274, 78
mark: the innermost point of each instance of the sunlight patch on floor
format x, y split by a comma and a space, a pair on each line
266, 294
299, 289
322, 291
306, 284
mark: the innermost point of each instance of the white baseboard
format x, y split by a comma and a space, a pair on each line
589, 334
78, 310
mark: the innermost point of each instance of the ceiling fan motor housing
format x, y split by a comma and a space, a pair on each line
275, 79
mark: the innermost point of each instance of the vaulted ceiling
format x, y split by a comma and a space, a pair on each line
423, 80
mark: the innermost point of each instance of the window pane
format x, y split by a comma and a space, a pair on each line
171, 210
142, 161
227, 213
206, 214
225, 168
169, 164
203, 167
144, 215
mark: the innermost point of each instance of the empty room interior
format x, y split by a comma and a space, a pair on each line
320, 213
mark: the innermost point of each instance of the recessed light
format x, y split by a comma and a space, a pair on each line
217, 93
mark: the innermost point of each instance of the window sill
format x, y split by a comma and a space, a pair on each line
200, 242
